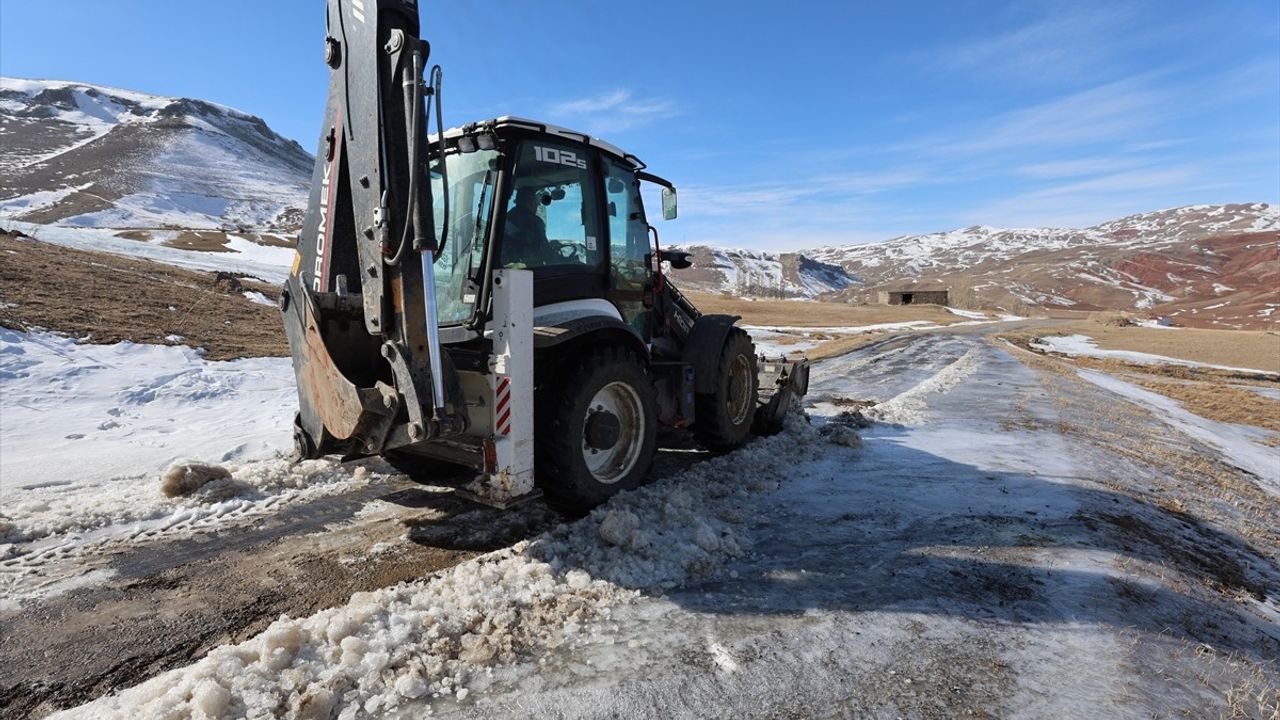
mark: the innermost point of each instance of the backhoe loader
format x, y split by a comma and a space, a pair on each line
489, 307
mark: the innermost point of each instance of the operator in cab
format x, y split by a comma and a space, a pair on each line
524, 242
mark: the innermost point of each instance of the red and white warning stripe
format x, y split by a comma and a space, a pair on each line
502, 407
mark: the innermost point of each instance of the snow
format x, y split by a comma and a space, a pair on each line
1239, 444
204, 180
198, 165
267, 263
395, 649
795, 577
770, 342
254, 296
843, 329
37, 200
115, 416
1073, 345
972, 315
95, 114
35, 86
799, 339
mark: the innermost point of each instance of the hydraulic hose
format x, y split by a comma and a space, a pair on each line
412, 84
437, 87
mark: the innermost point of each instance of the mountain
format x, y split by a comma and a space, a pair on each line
762, 274
1203, 264
89, 156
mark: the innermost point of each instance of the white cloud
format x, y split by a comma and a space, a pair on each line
1077, 167
1073, 42
613, 111
1085, 202
1107, 112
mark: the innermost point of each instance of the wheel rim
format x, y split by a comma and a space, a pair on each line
738, 396
610, 465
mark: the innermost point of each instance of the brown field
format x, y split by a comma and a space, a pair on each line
1218, 401
842, 345
1256, 349
111, 298
814, 313
1220, 395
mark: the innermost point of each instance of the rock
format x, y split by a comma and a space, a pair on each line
185, 478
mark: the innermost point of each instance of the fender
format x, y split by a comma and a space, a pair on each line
549, 336
703, 346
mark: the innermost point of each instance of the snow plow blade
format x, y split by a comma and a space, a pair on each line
782, 383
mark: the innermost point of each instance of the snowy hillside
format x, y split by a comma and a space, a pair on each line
978, 245
88, 156
1208, 264
750, 272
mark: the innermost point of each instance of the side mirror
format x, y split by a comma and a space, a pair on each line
668, 203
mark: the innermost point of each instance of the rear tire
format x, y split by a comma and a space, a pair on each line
722, 419
597, 429
425, 470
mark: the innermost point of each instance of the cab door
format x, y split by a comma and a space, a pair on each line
628, 245
551, 222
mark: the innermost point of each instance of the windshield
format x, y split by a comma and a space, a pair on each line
471, 184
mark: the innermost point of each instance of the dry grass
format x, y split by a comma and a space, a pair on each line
1255, 349
1219, 401
842, 345
813, 313
1213, 394
111, 298
1112, 318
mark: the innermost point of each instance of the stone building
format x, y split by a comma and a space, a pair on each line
914, 296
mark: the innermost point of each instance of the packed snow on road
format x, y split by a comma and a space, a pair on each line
949, 530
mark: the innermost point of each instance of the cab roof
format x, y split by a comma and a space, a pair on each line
512, 122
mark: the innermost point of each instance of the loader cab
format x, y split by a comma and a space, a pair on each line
568, 207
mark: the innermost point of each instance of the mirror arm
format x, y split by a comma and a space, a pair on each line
650, 177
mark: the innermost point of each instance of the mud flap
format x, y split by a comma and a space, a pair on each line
782, 384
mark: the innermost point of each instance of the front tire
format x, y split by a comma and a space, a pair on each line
597, 429
723, 418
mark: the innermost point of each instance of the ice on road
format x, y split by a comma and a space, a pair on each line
983, 552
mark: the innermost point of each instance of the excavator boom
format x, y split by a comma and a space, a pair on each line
362, 287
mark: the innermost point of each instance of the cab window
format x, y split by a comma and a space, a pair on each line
551, 219
628, 243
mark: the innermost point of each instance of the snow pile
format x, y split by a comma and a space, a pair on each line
1074, 345
908, 407
441, 637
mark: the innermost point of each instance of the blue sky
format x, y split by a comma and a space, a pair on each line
786, 125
